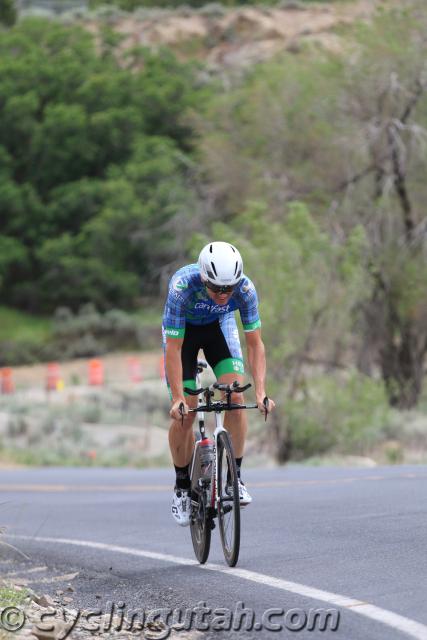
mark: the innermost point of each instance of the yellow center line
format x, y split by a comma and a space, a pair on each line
145, 488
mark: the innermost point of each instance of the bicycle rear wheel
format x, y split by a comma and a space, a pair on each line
201, 526
229, 502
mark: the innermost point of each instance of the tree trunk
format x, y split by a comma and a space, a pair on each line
281, 437
402, 365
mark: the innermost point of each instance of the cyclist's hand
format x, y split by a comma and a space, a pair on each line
266, 405
178, 409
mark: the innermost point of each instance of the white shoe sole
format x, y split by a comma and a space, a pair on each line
182, 524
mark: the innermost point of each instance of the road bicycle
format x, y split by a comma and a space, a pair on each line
213, 473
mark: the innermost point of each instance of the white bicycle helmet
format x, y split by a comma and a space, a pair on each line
221, 264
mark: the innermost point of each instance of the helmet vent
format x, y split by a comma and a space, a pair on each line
210, 249
235, 268
213, 268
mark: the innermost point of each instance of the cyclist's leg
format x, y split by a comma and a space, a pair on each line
235, 421
224, 354
181, 438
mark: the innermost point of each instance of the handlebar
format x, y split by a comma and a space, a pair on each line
234, 388
194, 392
220, 405
228, 388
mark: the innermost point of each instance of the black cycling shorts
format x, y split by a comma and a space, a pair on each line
221, 347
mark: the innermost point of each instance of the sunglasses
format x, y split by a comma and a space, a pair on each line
217, 288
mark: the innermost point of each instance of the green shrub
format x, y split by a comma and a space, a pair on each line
344, 414
394, 453
92, 412
89, 332
12, 597
84, 334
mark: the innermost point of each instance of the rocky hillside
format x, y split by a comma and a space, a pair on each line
239, 37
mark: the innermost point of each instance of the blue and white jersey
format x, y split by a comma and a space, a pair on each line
188, 301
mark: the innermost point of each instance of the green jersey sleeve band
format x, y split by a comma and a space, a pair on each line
174, 333
252, 326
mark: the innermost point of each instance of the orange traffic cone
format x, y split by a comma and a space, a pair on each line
7, 385
52, 376
96, 373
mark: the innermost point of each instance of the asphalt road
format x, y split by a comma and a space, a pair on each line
348, 533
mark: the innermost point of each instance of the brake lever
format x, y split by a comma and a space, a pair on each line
181, 410
265, 403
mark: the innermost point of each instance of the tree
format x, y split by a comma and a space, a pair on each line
115, 235
307, 285
7, 12
345, 134
387, 104
94, 164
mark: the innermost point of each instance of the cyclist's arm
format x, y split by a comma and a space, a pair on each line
174, 368
257, 363
258, 366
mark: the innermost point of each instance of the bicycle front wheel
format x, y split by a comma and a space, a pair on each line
228, 499
200, 526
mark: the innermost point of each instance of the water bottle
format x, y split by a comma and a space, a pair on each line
206, 455
201, 466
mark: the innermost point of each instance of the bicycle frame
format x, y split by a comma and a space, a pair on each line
212, 492
210, 489
219, 427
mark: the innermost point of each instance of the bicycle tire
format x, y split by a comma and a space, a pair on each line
228, 499
200, 521
200, 526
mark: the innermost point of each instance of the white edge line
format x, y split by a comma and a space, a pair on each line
401, 623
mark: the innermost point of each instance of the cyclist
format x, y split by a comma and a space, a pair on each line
199, 314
